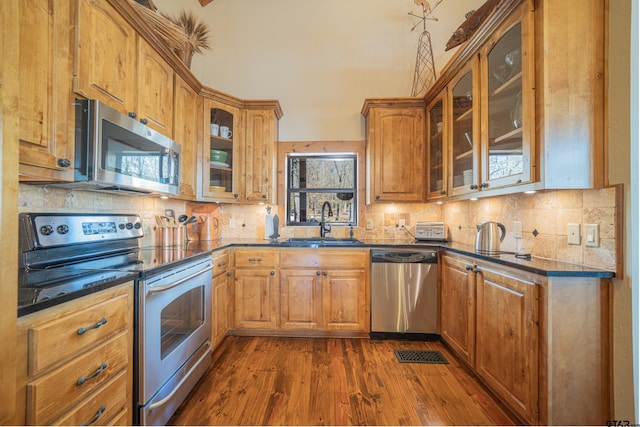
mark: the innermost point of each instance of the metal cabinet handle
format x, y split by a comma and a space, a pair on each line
144, 121
161, 288
477, 270
96, 326
97, 372
222, 264
442, 192
264, 196
325, 274
228, 274
255, 259
318, 273
473, 187
484, 185
468, 267
97, 415
273, 273
235, 196
132, 114
377, 197
63, 163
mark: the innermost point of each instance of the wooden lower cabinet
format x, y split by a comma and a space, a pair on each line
66, 377
344, 300
324, 290
540, 343
256, 298
458, 305
300, 299
220, 323
507, 339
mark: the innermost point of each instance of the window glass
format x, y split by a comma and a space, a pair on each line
313, 180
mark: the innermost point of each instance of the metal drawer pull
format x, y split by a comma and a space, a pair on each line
153, 289
98, 371
97, 415
222, 264
96, 326
255, 259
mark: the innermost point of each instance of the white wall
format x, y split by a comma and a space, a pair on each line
320, 58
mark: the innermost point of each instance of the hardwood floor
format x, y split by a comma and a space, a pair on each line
317, 381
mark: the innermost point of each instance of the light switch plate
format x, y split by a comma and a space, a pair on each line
592, 235
401, 222
573, 234
517, 229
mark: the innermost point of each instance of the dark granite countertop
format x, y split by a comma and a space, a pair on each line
541, 266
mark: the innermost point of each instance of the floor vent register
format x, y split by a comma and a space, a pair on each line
420, 356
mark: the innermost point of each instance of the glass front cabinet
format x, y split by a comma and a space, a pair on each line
481, 123
507, 105
221, 156
464, 130
436, 149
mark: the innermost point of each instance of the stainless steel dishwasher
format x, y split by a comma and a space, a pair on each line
404, 294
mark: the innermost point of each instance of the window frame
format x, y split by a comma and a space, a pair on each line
354, 156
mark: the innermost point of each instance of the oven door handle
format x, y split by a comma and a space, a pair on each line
161, 288
159, 403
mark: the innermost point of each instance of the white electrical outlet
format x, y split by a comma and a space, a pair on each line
592, 234
517, 229
401, 223
573, 234
369, 224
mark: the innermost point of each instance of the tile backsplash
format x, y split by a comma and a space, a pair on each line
544, 217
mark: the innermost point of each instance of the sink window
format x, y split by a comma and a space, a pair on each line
315, 179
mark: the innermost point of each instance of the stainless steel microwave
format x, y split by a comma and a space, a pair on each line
116, 152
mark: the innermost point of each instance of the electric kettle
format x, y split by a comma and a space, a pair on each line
488, 240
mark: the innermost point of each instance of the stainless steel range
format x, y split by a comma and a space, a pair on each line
67, 256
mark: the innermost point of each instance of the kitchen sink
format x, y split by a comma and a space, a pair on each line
317, 242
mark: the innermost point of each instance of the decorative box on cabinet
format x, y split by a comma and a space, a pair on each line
46, 102
70, 378
395, 149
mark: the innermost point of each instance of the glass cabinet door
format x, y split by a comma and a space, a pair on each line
464, 135
506, 157
437, 183
220, 153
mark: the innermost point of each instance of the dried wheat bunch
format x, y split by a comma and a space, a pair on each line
197, 32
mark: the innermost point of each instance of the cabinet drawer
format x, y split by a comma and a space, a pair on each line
55, 391
255, 258
56, 340
100, 407
324, 258
220, 264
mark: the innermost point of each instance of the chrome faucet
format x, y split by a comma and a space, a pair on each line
325, 228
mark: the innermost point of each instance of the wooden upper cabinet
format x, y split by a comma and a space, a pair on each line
187, 125
45, 103
395, 149
155, 90
260, 139
508, 148
437, 178
105, 61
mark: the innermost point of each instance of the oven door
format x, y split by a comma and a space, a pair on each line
174, 323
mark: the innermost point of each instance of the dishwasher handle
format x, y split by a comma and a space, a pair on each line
406, 257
